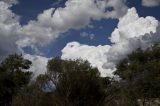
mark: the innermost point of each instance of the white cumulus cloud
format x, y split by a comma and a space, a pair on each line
131, 33
95, 55
9, 24
39, 64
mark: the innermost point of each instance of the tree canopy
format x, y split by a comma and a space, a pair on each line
140, 75
77, 83
13, 76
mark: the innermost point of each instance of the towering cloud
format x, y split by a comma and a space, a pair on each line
131, 33
150, 3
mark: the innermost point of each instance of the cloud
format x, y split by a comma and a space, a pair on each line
90, 26
52, 22
57, 2
100, 27
10, 2
85, 34
9, 35
49, 25
131, 25
131, 33
150, 3
75, 15
91, 36
9, 24
95, 55
39, 64
118, 8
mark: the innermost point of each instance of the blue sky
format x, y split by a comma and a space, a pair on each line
100, 31
29, 10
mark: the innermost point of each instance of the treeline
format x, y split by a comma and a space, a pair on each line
77, 83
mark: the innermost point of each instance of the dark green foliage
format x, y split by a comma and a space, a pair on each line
79, 84
76, 84
140, 75
30, 96
12, 77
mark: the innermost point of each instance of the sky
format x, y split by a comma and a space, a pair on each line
100, 31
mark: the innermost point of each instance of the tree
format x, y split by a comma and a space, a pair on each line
140, 75
13, 77
67, 83
77, 83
